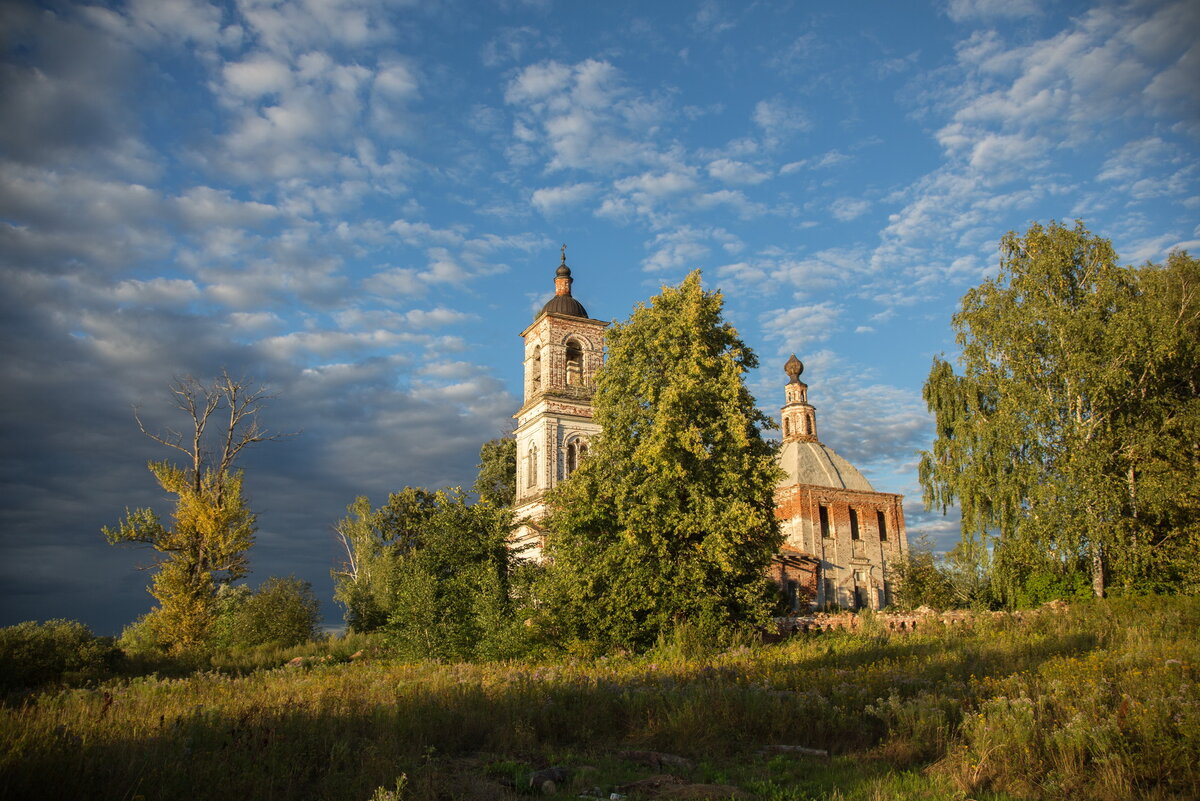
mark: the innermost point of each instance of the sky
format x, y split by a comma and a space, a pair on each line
359, 204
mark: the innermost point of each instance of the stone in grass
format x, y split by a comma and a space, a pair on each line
547, 780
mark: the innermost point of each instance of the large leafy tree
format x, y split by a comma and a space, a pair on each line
432, 571
670, 521
496, 481
1071, 417
204, 545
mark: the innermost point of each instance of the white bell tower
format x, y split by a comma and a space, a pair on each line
564, 349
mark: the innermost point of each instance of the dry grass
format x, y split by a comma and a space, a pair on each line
1098, 702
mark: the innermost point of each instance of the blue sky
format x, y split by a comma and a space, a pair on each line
360, 204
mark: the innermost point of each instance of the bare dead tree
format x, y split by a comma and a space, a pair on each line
242, 401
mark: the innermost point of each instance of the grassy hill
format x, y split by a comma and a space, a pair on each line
1099, 701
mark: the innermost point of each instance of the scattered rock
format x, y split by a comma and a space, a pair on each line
652, 786
655, 759
356, 656
299, 661
795, 749
547, 780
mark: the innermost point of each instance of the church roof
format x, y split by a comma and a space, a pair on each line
564, 304
817, 463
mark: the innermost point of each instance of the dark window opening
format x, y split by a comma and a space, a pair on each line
853, 524
574, 363
535, 371
882, 518
823, 512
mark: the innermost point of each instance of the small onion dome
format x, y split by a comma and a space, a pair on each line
564, 304
794, 367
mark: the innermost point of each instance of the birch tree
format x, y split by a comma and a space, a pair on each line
1076, 375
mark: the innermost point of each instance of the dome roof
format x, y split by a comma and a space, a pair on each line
815, 463
564, 304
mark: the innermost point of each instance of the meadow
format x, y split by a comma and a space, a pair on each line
1099, 701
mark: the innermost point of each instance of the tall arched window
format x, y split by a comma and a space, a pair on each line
535, 372
576, 450
787, 427
531, 466
574, 363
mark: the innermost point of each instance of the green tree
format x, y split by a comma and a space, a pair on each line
496, 482
283, 612
920, 581
432, 571
58, 650
670, 522
360, 584
1078, 385
205, 545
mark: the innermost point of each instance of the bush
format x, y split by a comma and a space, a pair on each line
32, 654
284, 612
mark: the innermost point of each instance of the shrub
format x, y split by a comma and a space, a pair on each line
33, 653
284, 612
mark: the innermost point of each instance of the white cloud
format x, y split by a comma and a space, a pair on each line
826, 160
736, 172
1133, 159
552, 199
685, 247
821, 271
196, 20
964, 10
798, 328
156, 291
258, 75
847, 209
582, 116
422, 233
780, 120
204, 206
735, 199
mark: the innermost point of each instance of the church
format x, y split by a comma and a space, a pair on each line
841, 536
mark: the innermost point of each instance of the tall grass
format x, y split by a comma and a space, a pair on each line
1098, 702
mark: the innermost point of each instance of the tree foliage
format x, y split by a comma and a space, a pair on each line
211, 529
670, 521
496, 482
58, 650
432, 571
1071, 433
283, 612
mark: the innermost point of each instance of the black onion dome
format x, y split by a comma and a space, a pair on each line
794, 367
564, 304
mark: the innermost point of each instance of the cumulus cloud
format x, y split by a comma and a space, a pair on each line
964, 10
736, 172
847, 209
801, 327
553, 199
1017, 107
685, 248
779, 120
583, 116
